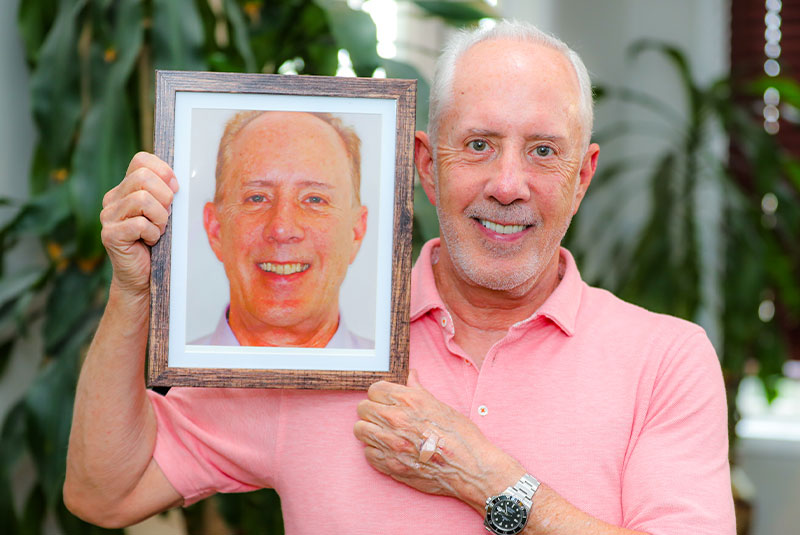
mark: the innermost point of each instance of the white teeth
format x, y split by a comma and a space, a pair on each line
501, 229
283, 269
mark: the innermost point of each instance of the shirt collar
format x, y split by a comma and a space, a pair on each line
343, 338
561, 307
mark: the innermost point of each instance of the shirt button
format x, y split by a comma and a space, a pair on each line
482, 410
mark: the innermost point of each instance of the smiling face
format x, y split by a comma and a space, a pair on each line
286, 228
509, 169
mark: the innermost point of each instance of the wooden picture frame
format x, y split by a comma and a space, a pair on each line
192, 109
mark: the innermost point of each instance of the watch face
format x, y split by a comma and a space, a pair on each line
507, 515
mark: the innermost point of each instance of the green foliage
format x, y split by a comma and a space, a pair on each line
91, 65
662, 259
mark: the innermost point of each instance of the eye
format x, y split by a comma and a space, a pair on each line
543, 151
478, 145
256, 198
314, 199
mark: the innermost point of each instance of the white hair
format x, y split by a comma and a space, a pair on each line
442, 87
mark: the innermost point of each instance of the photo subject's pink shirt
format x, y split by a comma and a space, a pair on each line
620, 410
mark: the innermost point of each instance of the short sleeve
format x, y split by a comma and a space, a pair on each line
207, 441
676, 475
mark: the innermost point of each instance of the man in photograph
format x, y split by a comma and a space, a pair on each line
536, 404
286, 222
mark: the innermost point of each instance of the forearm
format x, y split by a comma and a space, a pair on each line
113, 430
553, 515
550, 515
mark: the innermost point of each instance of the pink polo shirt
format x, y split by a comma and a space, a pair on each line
620, 410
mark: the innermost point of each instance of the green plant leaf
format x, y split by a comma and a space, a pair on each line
12, 444
8, 515
355, 32
72, 294
458, 13
178, 36
679, 61
33, 515
788, 88
108, 135
55, 87
107, 142
48, 405
13, 286
33, 21
71, 524
40, 215
241, 35
253, 513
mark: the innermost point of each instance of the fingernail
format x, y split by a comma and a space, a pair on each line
173, 184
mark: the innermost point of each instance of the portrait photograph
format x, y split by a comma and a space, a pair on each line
283, 237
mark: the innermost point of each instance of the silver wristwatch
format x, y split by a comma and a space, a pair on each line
507, 513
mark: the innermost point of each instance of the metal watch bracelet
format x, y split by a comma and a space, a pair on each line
524, 489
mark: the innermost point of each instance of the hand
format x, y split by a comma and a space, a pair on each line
394, 422
135, 213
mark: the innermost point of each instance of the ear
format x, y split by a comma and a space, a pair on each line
359, 230
211, 223
588, 167
423, 158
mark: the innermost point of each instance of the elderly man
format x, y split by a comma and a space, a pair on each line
536, 404
286, 222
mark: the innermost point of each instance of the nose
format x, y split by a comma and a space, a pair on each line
283, 223
509, 181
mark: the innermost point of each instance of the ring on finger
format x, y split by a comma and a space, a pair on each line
428, 448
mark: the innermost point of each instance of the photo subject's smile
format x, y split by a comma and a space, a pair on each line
283, 268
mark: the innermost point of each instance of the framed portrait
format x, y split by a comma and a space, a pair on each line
287, 258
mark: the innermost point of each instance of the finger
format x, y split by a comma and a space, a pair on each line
413, 380
139, 203
386, 392
122, 234
387, 416
392, 444
156, 165
375, 458
142, 179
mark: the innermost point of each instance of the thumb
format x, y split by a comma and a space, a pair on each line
413, 380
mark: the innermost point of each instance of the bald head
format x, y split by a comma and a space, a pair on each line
505, 33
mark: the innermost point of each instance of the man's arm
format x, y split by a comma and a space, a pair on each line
112, 479
394, 422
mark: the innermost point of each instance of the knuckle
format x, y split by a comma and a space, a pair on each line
400, 445
397, 467
108, 197
396, 419
141, 197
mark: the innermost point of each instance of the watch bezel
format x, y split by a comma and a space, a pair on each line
491, 526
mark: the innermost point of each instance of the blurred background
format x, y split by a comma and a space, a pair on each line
695, 210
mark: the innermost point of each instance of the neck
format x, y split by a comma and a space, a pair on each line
482, 316
256, 333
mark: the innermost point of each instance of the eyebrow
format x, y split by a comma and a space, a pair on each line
268, 182
529, 137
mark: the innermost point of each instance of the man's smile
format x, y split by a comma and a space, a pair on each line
283, 269
502, 229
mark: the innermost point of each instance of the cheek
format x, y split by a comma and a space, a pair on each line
332, 241
240, 232
561, 185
